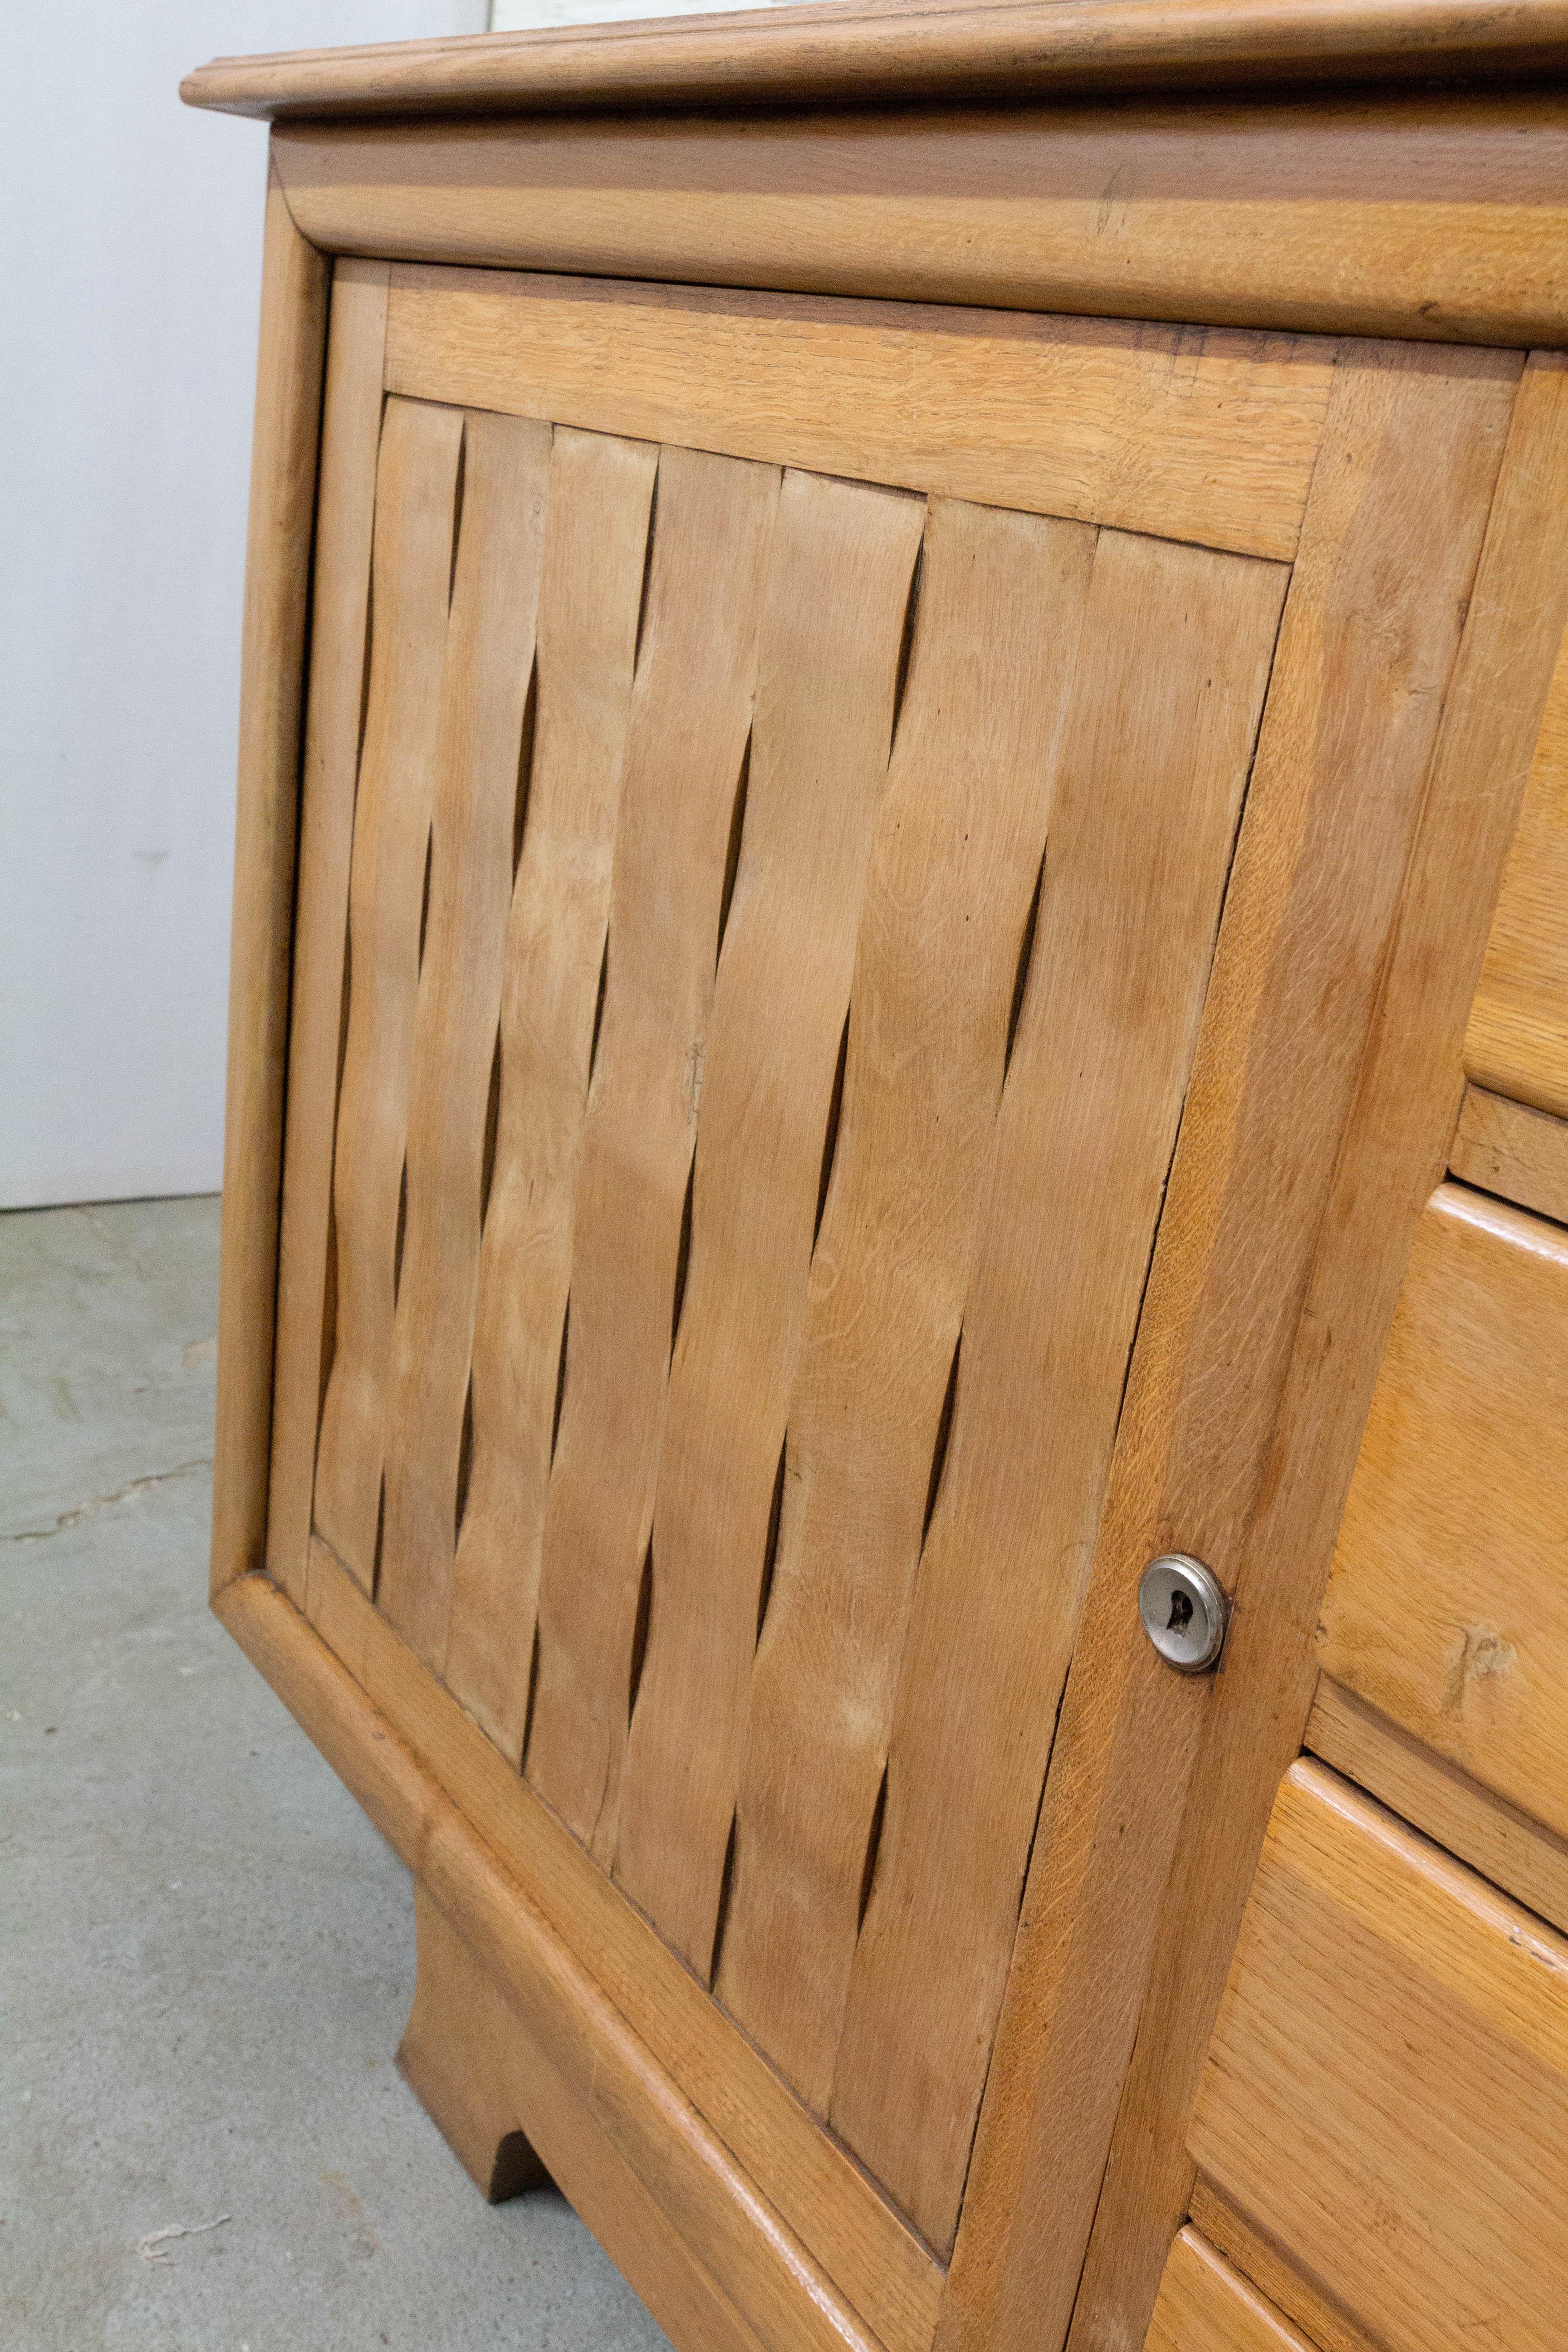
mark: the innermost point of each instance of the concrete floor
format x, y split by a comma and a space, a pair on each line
207, 1953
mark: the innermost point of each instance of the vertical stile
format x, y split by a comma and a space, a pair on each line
692, 711
827, 674
1155, 761
489, 663
411, 580
596, 535
953, 867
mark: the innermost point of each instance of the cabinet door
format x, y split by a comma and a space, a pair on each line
773, 773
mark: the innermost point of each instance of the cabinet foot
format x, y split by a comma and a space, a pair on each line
451, 2057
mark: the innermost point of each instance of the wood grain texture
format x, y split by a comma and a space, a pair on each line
1208, 436
831, 634
828, 2201
1394, 2040
410, 582
1171, 669
1220, 1451
339, 644
596, 537
294, 287
1325, 2324
1506, 1147
1079, 47
1206, 2306
608, 2073
1443, 1803
478, 786
1407, 1096
1517, 1043
477, 2071
1447, 1608
1438, 215
690, 716
955, 860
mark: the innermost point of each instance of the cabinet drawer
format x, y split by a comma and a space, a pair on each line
1386, 2093
1447, 1609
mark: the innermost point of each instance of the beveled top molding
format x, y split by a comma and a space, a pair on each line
902, 49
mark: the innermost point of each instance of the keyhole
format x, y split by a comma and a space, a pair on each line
1181, 1615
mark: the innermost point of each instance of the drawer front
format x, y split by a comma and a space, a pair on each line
1386, 2093
1447, 1609
1517, 1043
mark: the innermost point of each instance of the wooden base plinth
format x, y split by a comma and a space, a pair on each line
452, 2056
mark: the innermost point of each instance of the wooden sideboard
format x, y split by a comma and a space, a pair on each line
901, 941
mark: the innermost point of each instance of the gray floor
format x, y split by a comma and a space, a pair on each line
207, 1953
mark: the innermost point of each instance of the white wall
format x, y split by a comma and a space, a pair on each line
131, 231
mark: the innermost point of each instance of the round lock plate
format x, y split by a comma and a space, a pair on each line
1184, 1611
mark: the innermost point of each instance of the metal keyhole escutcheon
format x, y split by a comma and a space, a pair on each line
1184, 1611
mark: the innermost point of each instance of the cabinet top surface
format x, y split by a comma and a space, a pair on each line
904, 50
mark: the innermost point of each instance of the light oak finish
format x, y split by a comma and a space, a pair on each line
876, 53
1495, 1837
1394, 2040
410, 586
1440, 216
1205, 2307
826, 2199
1326, 2326
1154, 761
595, 541
339, 649
611, 2079
1446, 1609
468, 2056
294, 293
1234, 1423
1518, 1038
1190, 435
1506, 1147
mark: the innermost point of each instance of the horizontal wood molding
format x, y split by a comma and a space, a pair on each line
821, 2193
1204, 2306
1442, 1801
1260, 2262
1439, 216
1208, 437
818, 53
736, 2232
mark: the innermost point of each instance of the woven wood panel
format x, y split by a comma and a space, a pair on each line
779, 915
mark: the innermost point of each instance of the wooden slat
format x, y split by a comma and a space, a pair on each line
484, 691
340, 644
1394, 2042
294, 282
1173, 667
751, 2254
691, 709
410, 582
1506, 1147
1434, 215
1206, 2306
1407, 1092
1517, 1039
1447, 1609
596, 537
1504, 1844
1189, 433
827, 2198
954, 866
828, 665
1325, 2324
1238, 1436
